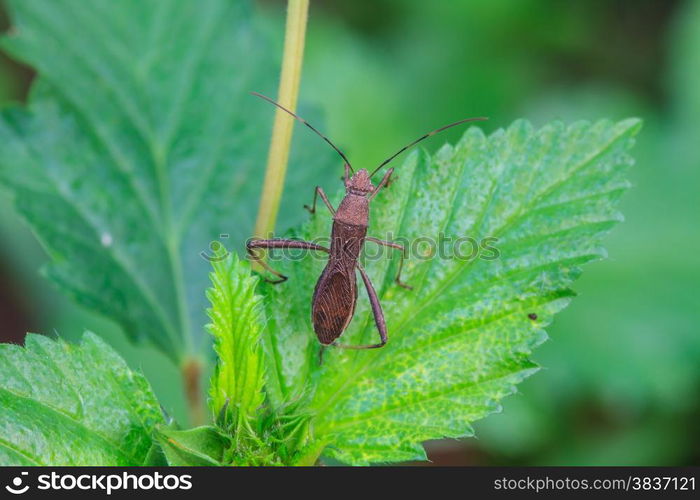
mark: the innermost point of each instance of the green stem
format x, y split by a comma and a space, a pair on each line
191, 370
278, 155
297, 13
310, 455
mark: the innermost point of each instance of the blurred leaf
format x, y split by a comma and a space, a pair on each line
636, 366
236, 323
66, 404
461, 340
685, 68
193, 447
140, 146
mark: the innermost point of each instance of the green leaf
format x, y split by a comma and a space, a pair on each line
236, 324
461, 339
66, 404
199, 446
141, 145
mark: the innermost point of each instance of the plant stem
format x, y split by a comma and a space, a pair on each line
191, 377
310, 456
297, 13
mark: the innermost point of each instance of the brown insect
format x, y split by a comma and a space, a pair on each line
335, 295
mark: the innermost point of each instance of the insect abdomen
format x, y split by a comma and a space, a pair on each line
334, 304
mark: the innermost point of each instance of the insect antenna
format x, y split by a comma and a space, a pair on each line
342, 155
429, 134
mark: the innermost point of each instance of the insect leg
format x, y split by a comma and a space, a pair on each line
403, 257
252, 246
376, 311
319, 191
383, 183
346, 175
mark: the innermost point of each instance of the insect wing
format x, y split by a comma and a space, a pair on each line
334, 303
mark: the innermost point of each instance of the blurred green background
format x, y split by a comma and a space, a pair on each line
621, 383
